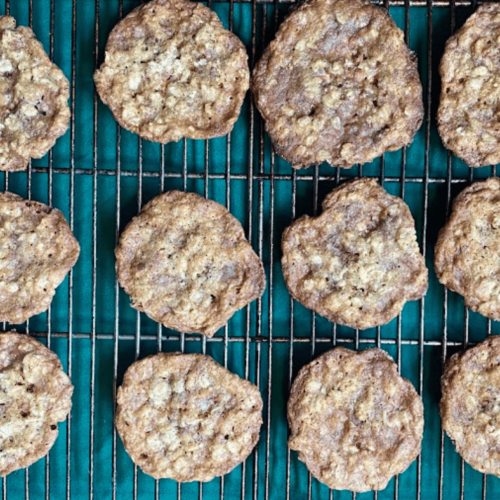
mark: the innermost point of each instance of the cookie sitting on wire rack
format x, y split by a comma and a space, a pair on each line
338, 84
34, 95
470, 89
171, 70
185, 262
358, 262
466, 253
185, 417
35, 394
470, 404
37, 250
354, 420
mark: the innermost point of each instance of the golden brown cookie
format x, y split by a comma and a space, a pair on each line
470, 404
34, 96
185, 262
354, 420
185, 417
37, 250
338, 84
35, 394
466, 254
171, 70
468, 119
358, 262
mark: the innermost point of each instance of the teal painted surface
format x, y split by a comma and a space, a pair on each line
93, 319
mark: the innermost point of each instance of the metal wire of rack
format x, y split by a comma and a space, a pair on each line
100, 175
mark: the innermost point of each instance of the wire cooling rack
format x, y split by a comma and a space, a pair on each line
100, 176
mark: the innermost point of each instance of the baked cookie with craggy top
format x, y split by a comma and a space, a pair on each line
354, 420
338, 84
185, 417
35, 394
171, 70
37, 250
468, 116
358, 262
185, 262
34, 97
466, 254
470, 404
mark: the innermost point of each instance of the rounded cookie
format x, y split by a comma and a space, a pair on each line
338, 84
469, 405
37, 250
358, 262
354, 420
185, 417
466, 253
468, 120
185, 262
35, 394
171, 70
34, 97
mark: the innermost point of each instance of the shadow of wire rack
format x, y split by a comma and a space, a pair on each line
100, 175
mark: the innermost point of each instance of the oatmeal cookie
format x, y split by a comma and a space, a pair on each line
468, 115
37, 250
354, 420
185, 417
185, 262
338, 84
35, 394
171, 70
34, 96
466, 254
470, 404
358, 262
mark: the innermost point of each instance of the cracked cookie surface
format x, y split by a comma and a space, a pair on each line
338, 84
358, 262
34, 97
35, 394
171, 70
354, 420
185, 262
185, 417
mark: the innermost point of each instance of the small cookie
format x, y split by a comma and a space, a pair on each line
171, 70
35, 394
338, 84
34, 97
469, 404
466, 254
468, 120
354, 420
358, 262
37, 250
185, 417
185, 262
